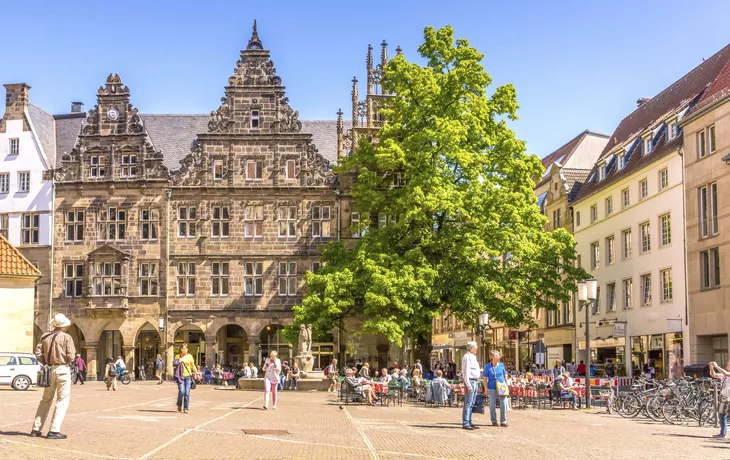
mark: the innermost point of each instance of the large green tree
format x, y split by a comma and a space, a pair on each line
464, 232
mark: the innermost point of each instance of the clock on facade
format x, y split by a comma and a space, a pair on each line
112, 114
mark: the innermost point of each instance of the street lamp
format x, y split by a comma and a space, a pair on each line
483, 323
587, 292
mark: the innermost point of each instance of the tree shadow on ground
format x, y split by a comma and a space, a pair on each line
155, 410
15, 433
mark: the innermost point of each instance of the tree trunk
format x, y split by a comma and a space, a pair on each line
422, 350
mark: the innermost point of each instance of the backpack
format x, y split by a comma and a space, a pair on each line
326, 371
112, 370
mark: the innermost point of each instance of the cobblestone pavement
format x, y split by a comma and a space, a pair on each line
140, 421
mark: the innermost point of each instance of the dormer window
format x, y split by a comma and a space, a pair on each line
672, 130
648, 145
254, 118
621, 160
601, 171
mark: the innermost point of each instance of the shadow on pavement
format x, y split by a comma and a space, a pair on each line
15, 433
155, 410
672, 435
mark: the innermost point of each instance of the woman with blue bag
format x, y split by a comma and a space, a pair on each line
495, 380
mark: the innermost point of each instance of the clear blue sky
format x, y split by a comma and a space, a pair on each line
576, 64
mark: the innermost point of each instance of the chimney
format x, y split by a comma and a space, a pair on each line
16, 103
642, 101
77, 107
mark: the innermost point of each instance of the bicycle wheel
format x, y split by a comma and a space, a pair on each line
674, 411
654, 408
126, 379
74, 377
632, 405
706, 412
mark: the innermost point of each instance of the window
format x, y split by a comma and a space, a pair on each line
399, 179
708, 210
4, 182
672, 131
577, 219
648, 145
287, 278
611, 297
148, 224
73, 280
556, 218
710, 268
663, 179
112, 224
701, 148
567, 313
621, 160
601, 171
219, 278
711, 139
594, 213
595, 255
186, 278
187, 217
30, 228
626, 241
609, 206
129, 166
665, 224
287, 221
253, 217
665, 276
290, 170
74, 225
254, 169
321, 221
4, 225
628, 285
14, 147
643, 189
218, 170
356, 231
24, 181
384, 220
97, 169
107, 278
625, 197
316, 265
255, 119
596, 307
646, 289
253, 279
220, 225
645, 237
148, 279
610, 252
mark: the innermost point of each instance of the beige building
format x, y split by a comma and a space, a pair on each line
706, 156
17, 290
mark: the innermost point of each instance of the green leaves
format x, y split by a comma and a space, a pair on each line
467, 235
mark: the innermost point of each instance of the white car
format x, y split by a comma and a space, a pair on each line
19, 370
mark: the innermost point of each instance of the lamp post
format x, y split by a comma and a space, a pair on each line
587, 292
483, 323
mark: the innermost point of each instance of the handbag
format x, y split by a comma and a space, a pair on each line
479, 402
44, 375
502, 388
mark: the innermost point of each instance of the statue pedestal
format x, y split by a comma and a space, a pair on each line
305, 362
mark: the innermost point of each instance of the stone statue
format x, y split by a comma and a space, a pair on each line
304, 350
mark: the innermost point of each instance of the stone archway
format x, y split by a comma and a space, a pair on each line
195, 338
147, 345
79, 340
232, 346
271, 339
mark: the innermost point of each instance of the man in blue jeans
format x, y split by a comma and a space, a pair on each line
470, 374
717, 372
495, 372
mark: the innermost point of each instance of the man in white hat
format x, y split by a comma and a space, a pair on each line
56, 349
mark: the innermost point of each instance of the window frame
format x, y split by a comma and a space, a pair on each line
291, 169
625, 198
255, 120
255, 169
220, 273
645, 293
627, 250
149, 279
289, 276
253, 221
74, 226
148, 222
253, 277
23, 181
610, 250
609, 205
4, 183
14, 146
665, 233
595, 255
610, 297
708, 214
627, 286
30, 228
321, 220
217, 170
666, 288
187, 222
287, 221
710, 274
106, 224
73, 282
100, 278
645, 244
97, 166
222, 223
643, 189
594, 213
187, 277
663, 179
128, 168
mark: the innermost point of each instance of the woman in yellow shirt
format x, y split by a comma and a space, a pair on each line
187, 371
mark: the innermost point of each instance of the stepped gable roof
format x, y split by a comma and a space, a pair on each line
13, 263
174, 134
44, 127
683, 94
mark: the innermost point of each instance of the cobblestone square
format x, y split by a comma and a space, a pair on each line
140, 421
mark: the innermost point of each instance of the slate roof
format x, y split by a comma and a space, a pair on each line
173, 134
563, 154
680, 98
718, 89
12, 262
44, 127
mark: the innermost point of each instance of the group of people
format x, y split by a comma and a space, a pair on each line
494, 377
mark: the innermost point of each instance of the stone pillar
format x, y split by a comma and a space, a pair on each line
92, 363
210, 354
129, 360
169, 357
253, 351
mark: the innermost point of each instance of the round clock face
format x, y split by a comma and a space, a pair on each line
112, 114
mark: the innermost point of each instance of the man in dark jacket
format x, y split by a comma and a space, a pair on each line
159, 365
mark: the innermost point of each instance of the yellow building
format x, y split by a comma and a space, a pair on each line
17, 291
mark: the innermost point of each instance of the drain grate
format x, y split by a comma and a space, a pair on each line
265, 432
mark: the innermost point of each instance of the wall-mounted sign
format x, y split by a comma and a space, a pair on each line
619, 330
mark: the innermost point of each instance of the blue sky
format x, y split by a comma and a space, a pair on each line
576, 64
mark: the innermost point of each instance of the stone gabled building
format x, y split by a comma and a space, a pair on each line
194, 228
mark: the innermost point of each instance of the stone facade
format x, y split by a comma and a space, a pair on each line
212, 252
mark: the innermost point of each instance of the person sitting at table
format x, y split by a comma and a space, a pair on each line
365, 371
440, 390
529, 378
404, 379
356, 385
567, 389
217, 374
384, 376
417, 380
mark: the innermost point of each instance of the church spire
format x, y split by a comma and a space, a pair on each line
254, 43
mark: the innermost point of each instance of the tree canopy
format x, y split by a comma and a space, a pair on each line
463, 230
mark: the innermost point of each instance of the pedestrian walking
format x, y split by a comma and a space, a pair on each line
80, 369
331, 373
294, 377
159, 365
55, 349
110, 371
470, 374
716, 372
185, 372
272, 371
495, 380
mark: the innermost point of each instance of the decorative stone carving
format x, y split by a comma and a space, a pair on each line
316, 169
304, 352
134, 125
114, 85
221, 121
193, 167
288, 121
91, 125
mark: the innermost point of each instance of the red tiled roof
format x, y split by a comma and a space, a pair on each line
684, 89
718, 89
12, 261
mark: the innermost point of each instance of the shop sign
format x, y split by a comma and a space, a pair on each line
554, 354
619, 330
